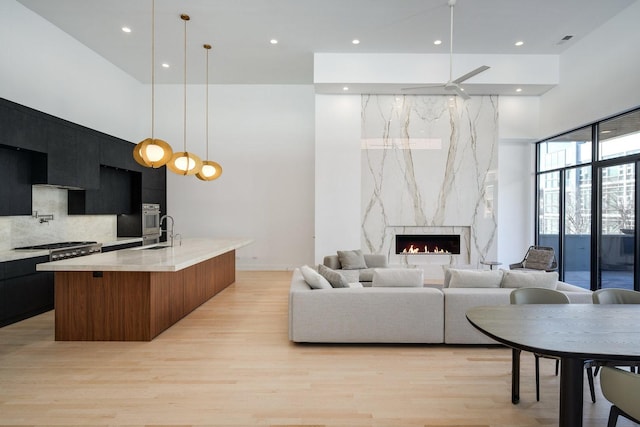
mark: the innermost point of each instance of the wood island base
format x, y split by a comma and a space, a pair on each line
134, 306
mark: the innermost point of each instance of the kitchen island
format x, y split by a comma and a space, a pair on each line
135, 294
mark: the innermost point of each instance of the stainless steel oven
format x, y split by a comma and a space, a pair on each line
150, 220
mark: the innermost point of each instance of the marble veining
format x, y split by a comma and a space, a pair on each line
430, 161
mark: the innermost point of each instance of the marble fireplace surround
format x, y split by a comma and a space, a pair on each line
429, 166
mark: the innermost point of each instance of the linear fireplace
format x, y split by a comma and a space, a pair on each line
427, 244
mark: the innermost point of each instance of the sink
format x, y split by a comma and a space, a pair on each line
155, 247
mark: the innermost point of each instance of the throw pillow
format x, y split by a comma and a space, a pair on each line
398, 277
352, 260
336, 279
314, 279
475, 278
530, 279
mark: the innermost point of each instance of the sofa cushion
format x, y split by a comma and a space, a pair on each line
475, 278
352, 260
530, 279
314, 279
336, 279
398, 277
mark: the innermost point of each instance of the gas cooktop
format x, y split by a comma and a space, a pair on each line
55, 245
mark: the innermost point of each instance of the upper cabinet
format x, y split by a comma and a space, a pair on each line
73, 158
15, 176
113, 197
98, 169
21, 127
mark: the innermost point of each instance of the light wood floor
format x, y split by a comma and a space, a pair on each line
230, 363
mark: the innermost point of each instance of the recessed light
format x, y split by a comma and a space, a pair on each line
437, 42
273, 41
126, 29
346, 88
519, 43
519, 90
605, 132
355, 41
165, 65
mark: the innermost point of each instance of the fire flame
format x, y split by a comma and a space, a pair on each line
412, 250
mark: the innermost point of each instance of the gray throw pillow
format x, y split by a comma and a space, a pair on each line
352, 260
336, 279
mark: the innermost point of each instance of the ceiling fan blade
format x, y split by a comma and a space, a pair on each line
458, 90
471, 74
421, 87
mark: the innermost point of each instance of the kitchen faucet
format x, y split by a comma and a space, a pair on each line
170, 234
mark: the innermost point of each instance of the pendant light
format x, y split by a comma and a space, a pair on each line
152, 152
185, 163
210, 169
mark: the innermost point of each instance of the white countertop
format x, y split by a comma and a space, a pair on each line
144, 259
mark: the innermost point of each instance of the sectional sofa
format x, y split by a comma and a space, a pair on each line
398, 314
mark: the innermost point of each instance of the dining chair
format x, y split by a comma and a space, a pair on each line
615, 296
622, 389
547, 296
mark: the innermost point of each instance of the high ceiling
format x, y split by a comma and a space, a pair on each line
240, 31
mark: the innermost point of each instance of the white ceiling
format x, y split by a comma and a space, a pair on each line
240, 30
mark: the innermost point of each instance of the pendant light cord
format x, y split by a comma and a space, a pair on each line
185, 18
207, 47
153, 67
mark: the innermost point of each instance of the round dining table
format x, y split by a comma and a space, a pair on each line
574, 333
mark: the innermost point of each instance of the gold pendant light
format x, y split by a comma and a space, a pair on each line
152, 152
185, 163
210, 169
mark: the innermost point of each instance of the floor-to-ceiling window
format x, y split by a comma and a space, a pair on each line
587, 197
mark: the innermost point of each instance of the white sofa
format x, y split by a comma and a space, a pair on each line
395, 314
364, 315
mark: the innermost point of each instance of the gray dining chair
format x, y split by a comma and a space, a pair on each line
546, 296
622, 389
615, 296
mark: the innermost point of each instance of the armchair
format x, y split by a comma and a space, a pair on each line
537, 258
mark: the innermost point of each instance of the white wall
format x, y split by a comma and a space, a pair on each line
44, 68
598, 76
338, 177
518, 127
263, 136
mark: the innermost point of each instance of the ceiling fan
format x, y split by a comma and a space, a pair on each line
454, 85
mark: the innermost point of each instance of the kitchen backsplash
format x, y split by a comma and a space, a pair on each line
18, 231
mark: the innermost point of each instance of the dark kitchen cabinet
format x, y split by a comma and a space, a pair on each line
117, 153
21, 127
113, 197
72, 160
15, 176
24, 292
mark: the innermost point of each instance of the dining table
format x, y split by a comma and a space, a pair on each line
573, 333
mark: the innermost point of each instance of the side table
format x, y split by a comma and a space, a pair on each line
491, 264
